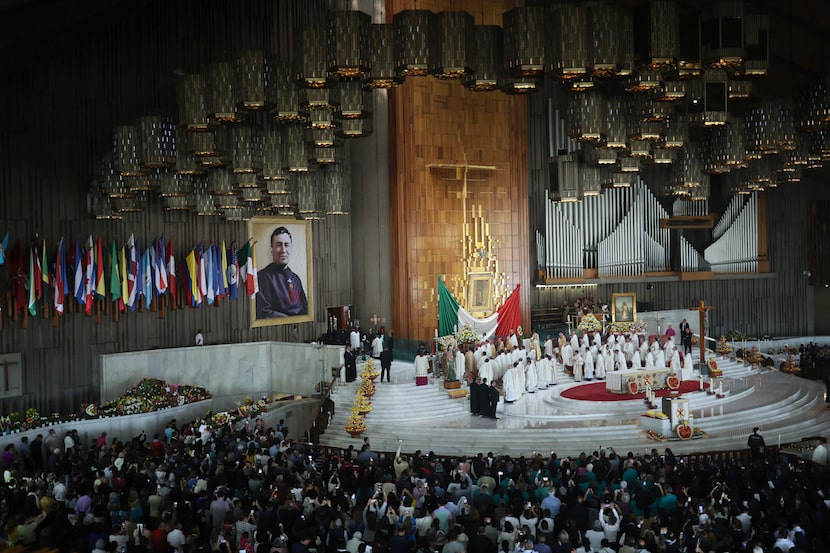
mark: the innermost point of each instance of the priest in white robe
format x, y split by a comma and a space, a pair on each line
660, 359
542, 373
599, 364
460, 364
586, 341
574, 342
688, 371
421, 369
675, 362
530, 376
589, 365
511, 392
487, 371
620, 363
579, 365
649, 361
635, 360
635, 339
553, 370
548, 350
567, 357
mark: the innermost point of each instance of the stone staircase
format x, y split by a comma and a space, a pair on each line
786, 408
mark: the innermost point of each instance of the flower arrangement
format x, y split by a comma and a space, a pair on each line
250, 408
32, 415
446, 343
220, 419
151, 394
735, 336
362, 404
466, 335
638, 327
366, 388
369, 371
723, 346
590, 323
356, 424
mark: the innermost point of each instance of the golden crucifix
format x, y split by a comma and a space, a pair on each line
702, 310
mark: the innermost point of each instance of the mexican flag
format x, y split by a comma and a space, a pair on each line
451, 316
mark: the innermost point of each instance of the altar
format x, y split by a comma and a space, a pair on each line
617, 381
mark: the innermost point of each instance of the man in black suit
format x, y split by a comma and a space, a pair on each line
475, 391
350, 361
492, 400
385, 362
686, 336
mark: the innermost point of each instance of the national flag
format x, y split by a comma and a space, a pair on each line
161, 267
247, 269
155, 282
116, 261
100, 271
233, 273
122, 268
89, 272
452, 317
192, 277
61, 286
17, 272
37, 270
202, 277
132, 273
139, 274
171, 269
4, 245
30, 284
223, 268
78, 282
147, 277
43, 286
208, 275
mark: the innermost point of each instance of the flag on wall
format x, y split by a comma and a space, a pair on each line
171, 269
132, 273
31, 300
100, 271
116, 261
139, 274
193, 277
147, 277
4, 245
161, 267
61, 286
89, 275
233, 273
78, 283
247, 269
208, 275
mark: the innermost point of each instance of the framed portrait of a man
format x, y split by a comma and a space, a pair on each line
480, 292
624, 307
282, 247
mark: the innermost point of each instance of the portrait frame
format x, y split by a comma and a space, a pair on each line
300, 262
619, 313
480, 292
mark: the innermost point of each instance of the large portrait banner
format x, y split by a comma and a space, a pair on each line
282, 247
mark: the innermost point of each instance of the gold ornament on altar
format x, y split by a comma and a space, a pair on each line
723, 346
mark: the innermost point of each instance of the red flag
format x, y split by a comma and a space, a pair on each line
89, 275
171, 269
59, 281
18, 276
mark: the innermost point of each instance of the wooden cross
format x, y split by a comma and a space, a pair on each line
375, 319
702, 309
5, 363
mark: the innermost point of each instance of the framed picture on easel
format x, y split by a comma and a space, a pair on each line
624, 307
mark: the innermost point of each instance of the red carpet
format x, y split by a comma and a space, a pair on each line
596, 392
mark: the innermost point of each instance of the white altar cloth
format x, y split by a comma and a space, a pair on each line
617, 381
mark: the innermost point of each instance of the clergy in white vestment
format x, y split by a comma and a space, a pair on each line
574, 342
643, 349
608, 360
597, 339
481, 355
520, 377
586, 341
579, 365
688, 367
553, 370
421, 367
460, 364
635, 339
542, 376
530, 376
487, 371
511, 393
628, 349
548, 350
635, 360
675, 362
567, 357
669, 346
515, 355
620, 363
377, 346
599, 365
611, 340
502, 365
649, 361
513, 339
660, 359
589, 365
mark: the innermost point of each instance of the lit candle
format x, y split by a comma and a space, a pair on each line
436, 333
720, 388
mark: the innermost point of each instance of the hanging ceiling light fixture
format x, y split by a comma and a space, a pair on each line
355, 101
722, 34
295, 149
126, 151
256, 87
688, 64
382, 58
453, 35
486, 58
287, 108
756, 40
247, 149
311, 58
709, 100
193, 111
586, 116
272, 152
348, 44
336, 190
221, 97
413, 42
570, 43
186, 163
158, 141
355, 128
525, 50
604, 45
655, 35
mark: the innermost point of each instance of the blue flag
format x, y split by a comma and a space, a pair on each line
233, 273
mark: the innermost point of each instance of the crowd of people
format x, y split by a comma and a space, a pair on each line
249, 488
